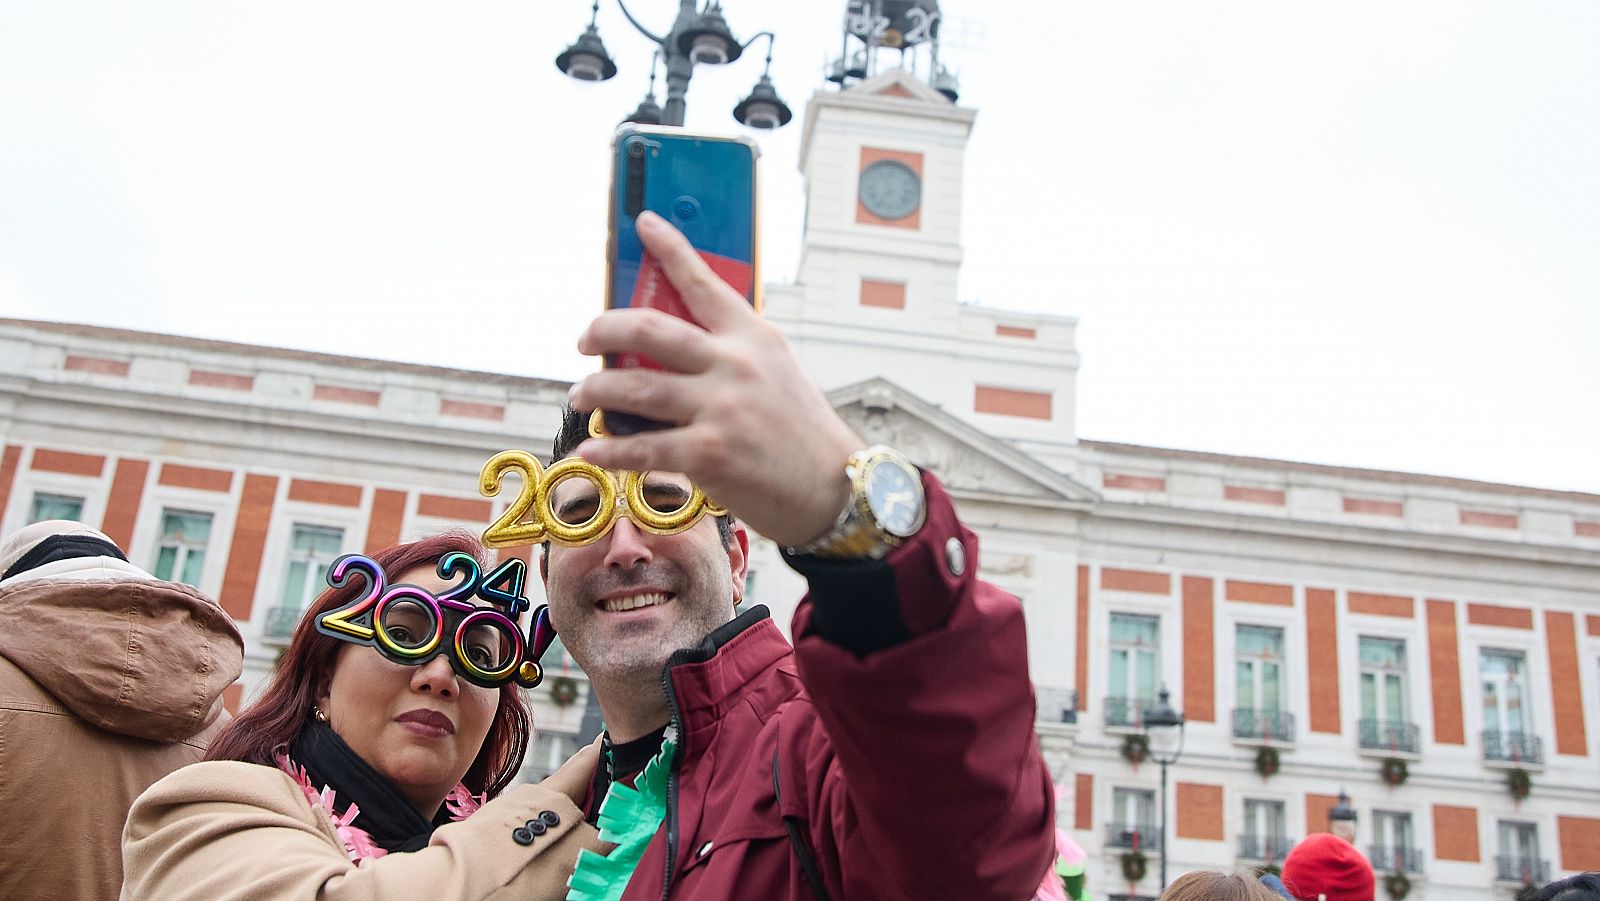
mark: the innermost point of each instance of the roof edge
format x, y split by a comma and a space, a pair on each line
1378, 475
311, 356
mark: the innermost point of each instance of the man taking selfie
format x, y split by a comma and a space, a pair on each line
890, 752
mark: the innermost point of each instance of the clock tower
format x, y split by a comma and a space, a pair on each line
876, 292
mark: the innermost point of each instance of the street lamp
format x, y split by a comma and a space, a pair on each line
697, 37
587, 59
648, 112
1342, 818
1163, 729
763, 108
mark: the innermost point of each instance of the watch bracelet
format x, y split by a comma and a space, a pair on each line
853, 535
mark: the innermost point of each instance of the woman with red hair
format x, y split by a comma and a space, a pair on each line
354, 777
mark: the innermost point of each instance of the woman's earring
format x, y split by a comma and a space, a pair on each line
316, 712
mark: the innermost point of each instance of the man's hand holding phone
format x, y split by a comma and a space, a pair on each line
752, 428
705, 186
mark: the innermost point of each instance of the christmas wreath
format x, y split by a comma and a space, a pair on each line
1397, 885
1134, 865
1267, 761
1135, 748
1395, 771
563, 690
1519, 783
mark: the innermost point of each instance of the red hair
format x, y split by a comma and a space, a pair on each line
305, 670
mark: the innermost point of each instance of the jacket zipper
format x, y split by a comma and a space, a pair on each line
672, 781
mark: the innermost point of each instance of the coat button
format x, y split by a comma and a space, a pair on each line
955, 557
537, 827
706, 848
550, 817
522, 836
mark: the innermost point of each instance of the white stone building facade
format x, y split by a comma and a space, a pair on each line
1350, 621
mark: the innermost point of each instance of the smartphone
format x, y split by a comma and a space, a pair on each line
706, 187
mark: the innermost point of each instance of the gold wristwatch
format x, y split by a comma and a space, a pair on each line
886, 507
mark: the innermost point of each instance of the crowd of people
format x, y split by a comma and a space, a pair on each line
850, 764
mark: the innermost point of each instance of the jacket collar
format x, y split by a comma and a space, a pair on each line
715, 672
704, 680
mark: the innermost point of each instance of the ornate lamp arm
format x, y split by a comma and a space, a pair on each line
636, 24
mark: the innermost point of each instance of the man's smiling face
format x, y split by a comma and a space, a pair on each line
623, 604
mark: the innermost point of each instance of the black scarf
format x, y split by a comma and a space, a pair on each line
620, 763
62, 547
386, 814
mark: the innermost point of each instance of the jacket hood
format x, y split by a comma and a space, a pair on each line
129, 653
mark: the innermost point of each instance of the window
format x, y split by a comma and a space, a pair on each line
749, 595
1383, 680
548, 752
1133, 819
1503, 708
1393, 845
181, 556
1507, 719
1135, 643
1258, 685
556, 659
1263, 837
55, 506
1258, 667
1519, 860
1385, 723
312, 549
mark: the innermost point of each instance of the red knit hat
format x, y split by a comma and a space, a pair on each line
1325, 867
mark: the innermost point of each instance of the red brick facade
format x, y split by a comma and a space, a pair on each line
1199, 651
1444, 670
249, 542
1135, 580
1455, 833
1199, 810
122, 506
1322, 659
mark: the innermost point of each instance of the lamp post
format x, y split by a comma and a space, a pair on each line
1342, 818
1163, 729
697, 37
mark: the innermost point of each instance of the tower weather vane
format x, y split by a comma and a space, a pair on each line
908, 26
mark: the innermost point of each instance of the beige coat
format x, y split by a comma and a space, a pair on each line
224, 830
109, 680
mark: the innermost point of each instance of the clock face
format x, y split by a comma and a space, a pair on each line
889, 189
895, 495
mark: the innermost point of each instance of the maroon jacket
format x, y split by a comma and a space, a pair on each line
900, 727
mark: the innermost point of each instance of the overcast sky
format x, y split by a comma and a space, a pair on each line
1355, 233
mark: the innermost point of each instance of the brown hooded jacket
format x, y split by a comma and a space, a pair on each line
109, 680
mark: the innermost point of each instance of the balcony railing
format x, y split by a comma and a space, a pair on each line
1264, 725
1512, 747
1521, 870
1267, 848
1133, 837
281, 621
1389, 735
1395, 858
1058, 705
1127, 712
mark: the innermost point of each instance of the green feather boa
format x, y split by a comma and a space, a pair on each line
629, 818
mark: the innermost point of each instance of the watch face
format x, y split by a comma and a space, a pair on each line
889, 189
895, 495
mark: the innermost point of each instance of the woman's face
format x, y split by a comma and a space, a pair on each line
420, 726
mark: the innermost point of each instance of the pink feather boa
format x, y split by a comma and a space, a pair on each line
358, 845
1066, 849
